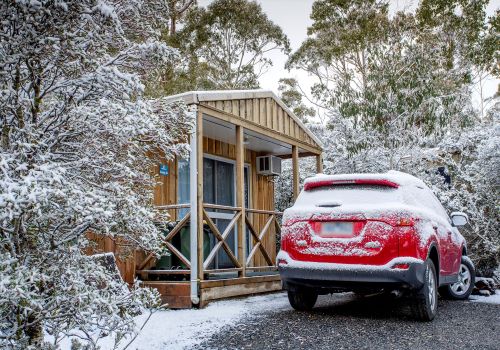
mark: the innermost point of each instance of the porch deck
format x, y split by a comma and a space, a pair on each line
244, 278
177, 294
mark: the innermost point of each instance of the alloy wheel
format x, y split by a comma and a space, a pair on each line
431, 282
464, 279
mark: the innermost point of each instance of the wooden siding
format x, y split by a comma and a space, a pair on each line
125, 258
175, 294
267, 113
165, 191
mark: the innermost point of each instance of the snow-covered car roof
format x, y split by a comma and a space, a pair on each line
410, 195
392, 176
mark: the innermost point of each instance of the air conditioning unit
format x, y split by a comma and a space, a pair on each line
269, 165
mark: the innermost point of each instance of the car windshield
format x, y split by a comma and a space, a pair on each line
351, 194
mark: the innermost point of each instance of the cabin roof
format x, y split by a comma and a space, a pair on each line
195, 97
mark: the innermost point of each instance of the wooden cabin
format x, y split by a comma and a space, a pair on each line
223, 237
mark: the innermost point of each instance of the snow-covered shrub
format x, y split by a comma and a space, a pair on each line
472, 159
78, 139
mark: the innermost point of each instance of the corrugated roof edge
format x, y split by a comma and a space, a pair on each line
194, 97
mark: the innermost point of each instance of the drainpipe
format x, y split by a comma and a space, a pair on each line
193, 242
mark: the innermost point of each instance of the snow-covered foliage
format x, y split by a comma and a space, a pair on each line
78, 141
228, 42
472, 159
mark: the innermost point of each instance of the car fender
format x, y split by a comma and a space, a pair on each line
436, 258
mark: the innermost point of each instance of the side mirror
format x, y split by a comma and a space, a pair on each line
459, 219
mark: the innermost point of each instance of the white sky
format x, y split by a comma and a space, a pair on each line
293, 17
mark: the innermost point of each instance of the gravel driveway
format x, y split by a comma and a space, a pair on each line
346, 321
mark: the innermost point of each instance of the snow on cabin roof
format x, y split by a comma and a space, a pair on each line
194, 97
398, 177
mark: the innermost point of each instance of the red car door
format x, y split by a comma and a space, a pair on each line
442, 234
455, 251
443, 228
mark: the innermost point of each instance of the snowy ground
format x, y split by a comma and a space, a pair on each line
183, 329
492, 299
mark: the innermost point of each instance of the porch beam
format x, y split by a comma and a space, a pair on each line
295, 168
247, 124
240, 197
220, 238
217, 234
168, 238
176, 252
178, 227
258, 239
301, 155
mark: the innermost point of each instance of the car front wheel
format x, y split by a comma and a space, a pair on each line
461, 289
424, 305
302, 300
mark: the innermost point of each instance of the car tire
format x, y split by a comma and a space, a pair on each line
302, 300
424, 303
462, 289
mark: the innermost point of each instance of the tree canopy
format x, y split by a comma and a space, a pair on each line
227, 43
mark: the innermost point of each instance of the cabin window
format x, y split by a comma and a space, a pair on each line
183, 185
219, 187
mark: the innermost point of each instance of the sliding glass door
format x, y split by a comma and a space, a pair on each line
219, 186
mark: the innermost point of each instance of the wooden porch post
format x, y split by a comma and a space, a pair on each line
240, 198
193, 227
199, 194
319, 163
295, 167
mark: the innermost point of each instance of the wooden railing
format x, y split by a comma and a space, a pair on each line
167, 241
241, 264
221, 237
257, 238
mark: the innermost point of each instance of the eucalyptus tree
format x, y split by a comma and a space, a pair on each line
228, 42
292, 95
381, 72
467, 38
177, 10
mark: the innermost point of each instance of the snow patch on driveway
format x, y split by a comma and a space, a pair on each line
183, 329
180, 329
492, 299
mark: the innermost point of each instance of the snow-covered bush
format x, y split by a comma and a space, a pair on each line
472, 159
78, 139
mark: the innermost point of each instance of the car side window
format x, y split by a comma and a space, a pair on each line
425, 198
436, 204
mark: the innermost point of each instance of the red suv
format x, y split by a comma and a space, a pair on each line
367, 232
